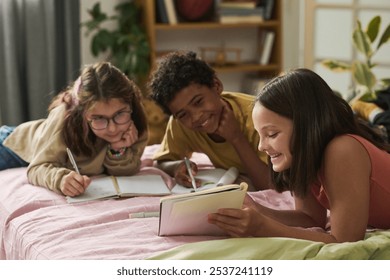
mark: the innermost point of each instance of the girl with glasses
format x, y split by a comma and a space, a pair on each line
99, 118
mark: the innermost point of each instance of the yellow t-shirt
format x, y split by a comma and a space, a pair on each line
180, 141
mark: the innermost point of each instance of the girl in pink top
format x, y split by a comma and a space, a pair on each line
320, 152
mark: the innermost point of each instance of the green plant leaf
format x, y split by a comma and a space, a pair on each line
101, 41
385, 37
362, 41
368, 97
361, 71
373, 28
335, 65
385, 82
97, 17
95, 47
95, 11
96, 14
363, 75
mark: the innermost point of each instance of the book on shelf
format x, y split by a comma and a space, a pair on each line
266, 48
161, 11
261, 41
171, 11
250, 4
232, 12
186, 214
240, 19
244, 12
268, 6
106, 187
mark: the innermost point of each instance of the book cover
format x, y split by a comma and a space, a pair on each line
186, 214
240, 19
161, 11
267, 47
171, 11
268, 6
240, 15
238, 4
244, 12
268, 9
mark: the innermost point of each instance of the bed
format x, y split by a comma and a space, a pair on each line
36, 223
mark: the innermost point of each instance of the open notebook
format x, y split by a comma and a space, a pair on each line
149, 185
122, 186
210, 178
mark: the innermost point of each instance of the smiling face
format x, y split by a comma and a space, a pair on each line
110, 109
275, 134
198, 107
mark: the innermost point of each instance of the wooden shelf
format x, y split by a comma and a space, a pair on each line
247, 67
215, 25
275, 24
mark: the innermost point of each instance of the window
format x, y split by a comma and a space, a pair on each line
328, 35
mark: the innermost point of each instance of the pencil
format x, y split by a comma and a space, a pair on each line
189, 170
72, 161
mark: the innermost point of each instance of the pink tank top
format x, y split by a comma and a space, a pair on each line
379, 216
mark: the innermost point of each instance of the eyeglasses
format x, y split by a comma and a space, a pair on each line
119, 118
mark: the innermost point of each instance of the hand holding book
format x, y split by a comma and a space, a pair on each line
186, 214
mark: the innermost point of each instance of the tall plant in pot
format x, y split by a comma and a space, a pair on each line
367, 42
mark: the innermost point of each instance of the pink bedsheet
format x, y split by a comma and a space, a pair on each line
36, 223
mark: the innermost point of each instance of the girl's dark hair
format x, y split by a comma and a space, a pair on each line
98, 82
318, 115
176, 71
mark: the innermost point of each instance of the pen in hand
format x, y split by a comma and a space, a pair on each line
189, 171
72, 161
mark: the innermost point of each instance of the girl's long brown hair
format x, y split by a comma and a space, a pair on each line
99, 82
318, 115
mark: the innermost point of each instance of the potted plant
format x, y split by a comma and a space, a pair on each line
126, 45
367, 42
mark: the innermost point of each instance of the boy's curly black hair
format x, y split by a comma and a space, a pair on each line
176, 71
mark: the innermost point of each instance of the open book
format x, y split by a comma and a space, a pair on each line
149, 185
122, 186
210, 178
186, 214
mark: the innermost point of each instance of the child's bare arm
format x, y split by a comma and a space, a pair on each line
257, 170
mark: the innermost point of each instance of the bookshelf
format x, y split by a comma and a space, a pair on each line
251, 64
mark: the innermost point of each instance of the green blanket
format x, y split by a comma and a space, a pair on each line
376, 245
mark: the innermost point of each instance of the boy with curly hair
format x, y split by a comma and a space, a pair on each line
205, 119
